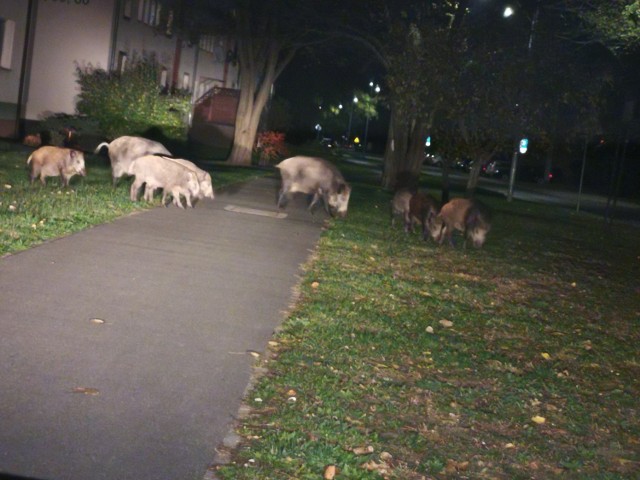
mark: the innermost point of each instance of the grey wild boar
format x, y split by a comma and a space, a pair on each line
469, 216
159, 172
124, 150
317, 177
400, 207
56, 162
204, 178
423, 210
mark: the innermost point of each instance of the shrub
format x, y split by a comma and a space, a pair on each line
270, 147
132, 102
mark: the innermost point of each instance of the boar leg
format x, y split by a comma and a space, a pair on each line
283, 198
135, 186
177, 201
314, 201
148, 193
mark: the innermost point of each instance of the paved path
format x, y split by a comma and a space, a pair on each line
149, 393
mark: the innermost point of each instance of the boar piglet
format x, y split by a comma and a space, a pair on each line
124, 150
400, 207
204, 178
56, 162
423, 210
317, 177
158, 172
469, 216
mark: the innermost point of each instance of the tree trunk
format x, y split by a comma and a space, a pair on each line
404, 154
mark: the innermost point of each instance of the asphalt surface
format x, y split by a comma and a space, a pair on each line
186, 296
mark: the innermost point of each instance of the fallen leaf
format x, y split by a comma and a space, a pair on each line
98, 321
292, 393
315, 285
446, 323
385, 456
363, 450
538, 419
546, 356
429, 329
329, 472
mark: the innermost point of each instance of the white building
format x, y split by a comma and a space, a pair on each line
42, 42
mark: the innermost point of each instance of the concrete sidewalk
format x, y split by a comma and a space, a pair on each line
185, 296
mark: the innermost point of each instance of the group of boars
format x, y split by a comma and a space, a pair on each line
467, 215
153, 166
148, 161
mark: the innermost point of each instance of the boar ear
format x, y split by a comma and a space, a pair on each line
73, 153
343, 188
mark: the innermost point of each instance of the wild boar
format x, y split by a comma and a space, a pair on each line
469, 216
423, 210
32, 140
159, 172
124, 150
204, 178
56, 162
316, 176
400, 207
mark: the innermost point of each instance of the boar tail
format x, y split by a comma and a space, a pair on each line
29, 159
99, 147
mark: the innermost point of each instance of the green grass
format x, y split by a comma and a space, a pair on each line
31, 214
544, 324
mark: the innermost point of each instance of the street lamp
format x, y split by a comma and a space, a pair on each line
514, 161
353, 104
376, 89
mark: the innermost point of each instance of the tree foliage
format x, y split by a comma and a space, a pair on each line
132, 102
614, 23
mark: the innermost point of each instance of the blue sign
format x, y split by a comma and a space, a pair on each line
524, 144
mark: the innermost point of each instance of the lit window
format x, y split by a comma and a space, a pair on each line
7, 32
127, 8
163, 77
186, 81
122, 61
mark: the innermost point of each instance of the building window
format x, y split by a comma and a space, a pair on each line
122, 61
7, 32
163, 77
207, 43
169, 29
186, 81
127, 8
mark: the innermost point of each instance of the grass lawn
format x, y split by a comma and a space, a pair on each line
31, 214
401, 359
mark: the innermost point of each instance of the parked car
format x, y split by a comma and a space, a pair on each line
433, 160
496, 168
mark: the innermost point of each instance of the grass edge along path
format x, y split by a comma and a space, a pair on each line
33, 214
405, 360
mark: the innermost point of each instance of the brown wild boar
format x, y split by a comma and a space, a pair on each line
469, 216
400, 207
124, 150
423, 210
158, 172
316, 176
204, 178
32, 140
56, 162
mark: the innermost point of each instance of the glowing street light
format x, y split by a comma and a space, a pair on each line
508, 11
353, 104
